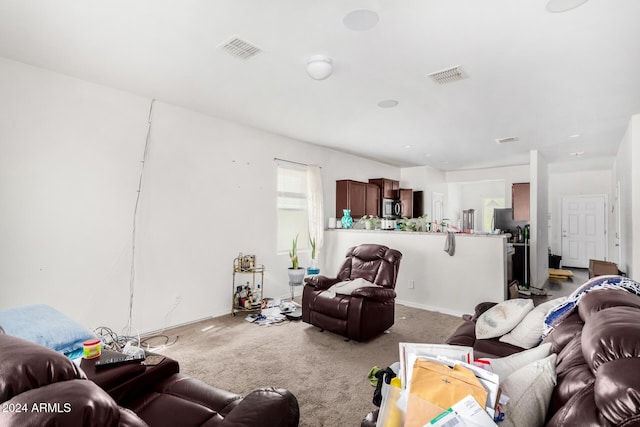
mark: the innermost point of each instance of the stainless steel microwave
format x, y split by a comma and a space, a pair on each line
391, 208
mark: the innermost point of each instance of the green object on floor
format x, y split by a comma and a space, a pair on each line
372, 376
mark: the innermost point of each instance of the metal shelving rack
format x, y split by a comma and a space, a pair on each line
251, 290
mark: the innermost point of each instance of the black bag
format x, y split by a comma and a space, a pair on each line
385, 375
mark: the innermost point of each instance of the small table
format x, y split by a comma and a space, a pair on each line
122, 381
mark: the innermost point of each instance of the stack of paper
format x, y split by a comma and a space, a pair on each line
418, 412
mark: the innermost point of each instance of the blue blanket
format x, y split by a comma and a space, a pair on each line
561, 312
45, 325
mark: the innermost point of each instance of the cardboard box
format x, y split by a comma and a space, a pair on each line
601, 268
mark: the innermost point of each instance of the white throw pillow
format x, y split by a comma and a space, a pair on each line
502, 317
505, 366
529, 390
528, 332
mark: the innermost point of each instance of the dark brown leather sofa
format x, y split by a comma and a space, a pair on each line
366, 312
598, 365
40, 387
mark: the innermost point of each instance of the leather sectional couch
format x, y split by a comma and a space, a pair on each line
598, 364
40, 387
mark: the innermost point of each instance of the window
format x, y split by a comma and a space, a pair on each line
292, 207
488, 205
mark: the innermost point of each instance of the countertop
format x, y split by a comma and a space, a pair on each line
424, 233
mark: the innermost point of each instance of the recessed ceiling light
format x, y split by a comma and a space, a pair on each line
360, 20
577, 153
407, 146
388, 103
427, 155
575, 135
558, 6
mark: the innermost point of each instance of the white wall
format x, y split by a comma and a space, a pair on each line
476, 272
428, 180
627, 174
510, 175
70, 161
538, 219
70, 165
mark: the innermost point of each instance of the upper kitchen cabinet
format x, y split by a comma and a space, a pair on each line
372, 200
520, 200
406, 202
351, 195
388, 187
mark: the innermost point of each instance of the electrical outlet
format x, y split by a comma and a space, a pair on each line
412, 284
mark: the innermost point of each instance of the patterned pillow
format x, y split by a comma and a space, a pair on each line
502, 318
528, 333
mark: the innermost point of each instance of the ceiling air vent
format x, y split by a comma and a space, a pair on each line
507, 139
449, 75
240, 48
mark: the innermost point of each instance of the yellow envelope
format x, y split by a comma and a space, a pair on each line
444, 386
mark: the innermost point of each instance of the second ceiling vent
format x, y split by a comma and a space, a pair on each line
240, 48
507, 140
449, 75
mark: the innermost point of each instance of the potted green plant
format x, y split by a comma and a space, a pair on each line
296, 273
422, 223
370, 222
407, 224
314, 261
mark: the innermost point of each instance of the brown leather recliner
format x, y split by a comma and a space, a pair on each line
367, 311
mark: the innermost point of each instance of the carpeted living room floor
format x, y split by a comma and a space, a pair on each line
327, 374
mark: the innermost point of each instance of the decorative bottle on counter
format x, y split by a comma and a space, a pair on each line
347, 221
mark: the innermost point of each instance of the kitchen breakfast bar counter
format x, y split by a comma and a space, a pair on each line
429, 277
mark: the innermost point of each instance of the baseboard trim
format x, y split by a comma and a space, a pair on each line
429, 308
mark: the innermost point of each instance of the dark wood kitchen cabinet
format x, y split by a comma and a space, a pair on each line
520, 201
388, 187
372, 200
406, 202
351, 195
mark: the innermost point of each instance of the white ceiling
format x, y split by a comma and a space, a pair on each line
532, 74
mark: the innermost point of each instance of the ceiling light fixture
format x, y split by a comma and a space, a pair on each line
387, 103
575, 135
319, 67
577, 153
559, 6
360, 20
407, 146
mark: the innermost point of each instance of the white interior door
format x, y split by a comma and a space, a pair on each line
583, 230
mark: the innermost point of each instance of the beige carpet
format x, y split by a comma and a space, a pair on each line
327, 374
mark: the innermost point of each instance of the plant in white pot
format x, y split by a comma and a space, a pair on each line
296, 273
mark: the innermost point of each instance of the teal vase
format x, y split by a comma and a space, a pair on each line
347, 221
